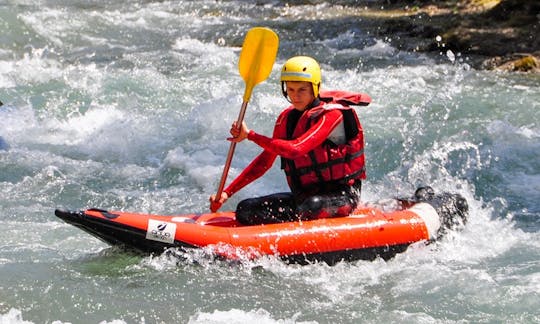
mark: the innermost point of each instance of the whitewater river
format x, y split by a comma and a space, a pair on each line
127, 106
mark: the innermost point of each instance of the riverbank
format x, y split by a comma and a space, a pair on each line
492, 34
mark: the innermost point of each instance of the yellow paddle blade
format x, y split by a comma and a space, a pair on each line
257, 57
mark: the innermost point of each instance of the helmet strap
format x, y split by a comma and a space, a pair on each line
284, 91
318, 85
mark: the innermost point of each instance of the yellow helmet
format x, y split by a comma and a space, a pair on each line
301, 68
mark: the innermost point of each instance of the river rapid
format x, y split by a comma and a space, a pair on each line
126, 105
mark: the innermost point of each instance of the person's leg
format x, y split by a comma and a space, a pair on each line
331, 204
275, 208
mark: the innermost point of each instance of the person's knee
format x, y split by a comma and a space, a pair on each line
311, 207
244, 211
322, 207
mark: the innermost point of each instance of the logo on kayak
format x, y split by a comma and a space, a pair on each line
160, 231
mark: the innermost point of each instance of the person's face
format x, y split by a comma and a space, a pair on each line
300, 93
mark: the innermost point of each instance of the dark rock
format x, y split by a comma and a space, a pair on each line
492, 32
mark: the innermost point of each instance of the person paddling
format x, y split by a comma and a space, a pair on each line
321, 144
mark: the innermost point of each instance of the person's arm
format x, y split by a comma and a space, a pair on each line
314, 137
252, 172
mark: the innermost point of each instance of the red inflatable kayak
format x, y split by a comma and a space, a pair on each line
367, 233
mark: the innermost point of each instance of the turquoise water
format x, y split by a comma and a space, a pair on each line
127, 106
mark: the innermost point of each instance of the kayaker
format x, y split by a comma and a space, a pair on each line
320, 141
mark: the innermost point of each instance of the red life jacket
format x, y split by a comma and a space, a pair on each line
329, 163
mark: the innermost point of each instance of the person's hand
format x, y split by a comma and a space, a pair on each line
238, 133
216, 204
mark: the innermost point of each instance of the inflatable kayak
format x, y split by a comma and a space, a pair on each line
369, 232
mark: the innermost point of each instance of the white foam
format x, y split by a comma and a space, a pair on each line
13, 316
202, 166
34, 67
528, 132
48, 23
17, 123
237, 316
379, 49
209, 55
506, 129
84, 128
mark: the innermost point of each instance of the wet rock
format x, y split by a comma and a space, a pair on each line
495, 34
514, 63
